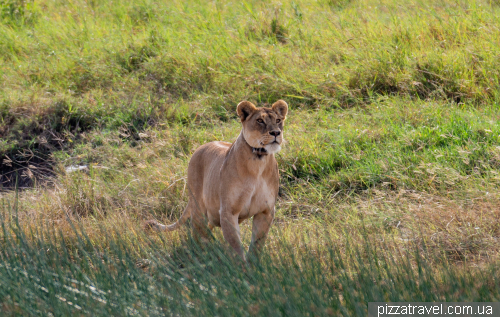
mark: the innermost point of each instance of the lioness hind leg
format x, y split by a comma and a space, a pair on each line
260, 228
199, 221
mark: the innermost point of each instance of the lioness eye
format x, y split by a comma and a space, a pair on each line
278, 120
260, 121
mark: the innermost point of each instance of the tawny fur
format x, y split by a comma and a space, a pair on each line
229, 183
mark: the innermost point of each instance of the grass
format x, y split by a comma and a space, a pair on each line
80, 276
392, 153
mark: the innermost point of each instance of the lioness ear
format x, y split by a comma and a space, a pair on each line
280, 107
244, 109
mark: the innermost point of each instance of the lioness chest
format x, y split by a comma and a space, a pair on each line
247, 194
261, 199
248, 199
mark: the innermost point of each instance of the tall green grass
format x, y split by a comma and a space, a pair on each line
43, 272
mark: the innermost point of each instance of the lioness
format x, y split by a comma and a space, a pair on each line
229, 183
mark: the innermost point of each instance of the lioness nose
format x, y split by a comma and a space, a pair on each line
275, 133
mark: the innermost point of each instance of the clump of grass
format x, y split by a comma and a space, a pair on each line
18, 12
337, 4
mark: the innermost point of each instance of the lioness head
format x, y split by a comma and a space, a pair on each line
263, 127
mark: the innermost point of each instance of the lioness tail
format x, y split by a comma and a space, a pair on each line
155, 225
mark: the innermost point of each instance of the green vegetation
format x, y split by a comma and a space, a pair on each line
389, 178
53, 274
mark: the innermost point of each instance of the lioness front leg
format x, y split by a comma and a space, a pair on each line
261, 225
231, 231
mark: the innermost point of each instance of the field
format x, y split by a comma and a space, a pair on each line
389, 177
